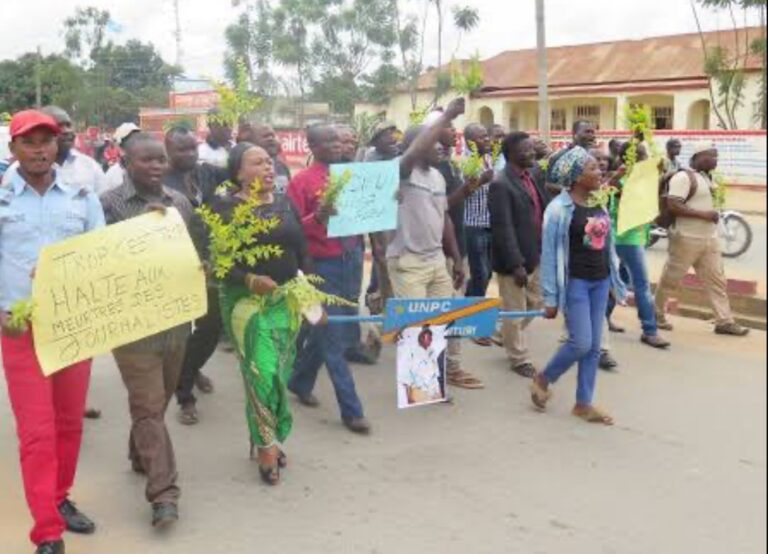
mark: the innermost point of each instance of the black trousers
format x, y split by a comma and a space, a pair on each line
200, 347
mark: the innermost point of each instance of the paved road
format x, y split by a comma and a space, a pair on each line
683, 471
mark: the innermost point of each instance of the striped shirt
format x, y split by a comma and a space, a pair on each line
125, 202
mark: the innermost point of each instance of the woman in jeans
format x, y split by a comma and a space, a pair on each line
630, 248
579, 268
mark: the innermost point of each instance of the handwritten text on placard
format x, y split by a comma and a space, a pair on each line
114, 286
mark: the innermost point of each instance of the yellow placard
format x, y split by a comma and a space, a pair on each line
640, 196
114, 286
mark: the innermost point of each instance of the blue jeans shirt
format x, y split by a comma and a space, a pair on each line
556, 251
29, 222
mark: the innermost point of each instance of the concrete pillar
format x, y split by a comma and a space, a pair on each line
682, 106
621, 104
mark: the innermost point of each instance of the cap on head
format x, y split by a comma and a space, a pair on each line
24, 122
124, 131
382, 128
701, 147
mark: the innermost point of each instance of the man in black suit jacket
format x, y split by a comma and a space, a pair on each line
517, 200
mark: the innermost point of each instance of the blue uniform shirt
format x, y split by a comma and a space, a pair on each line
29, 221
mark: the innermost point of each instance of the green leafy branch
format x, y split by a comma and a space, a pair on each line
640, 123
235, 102
21, 314
238, 241
720, 190
470, 81
336, 186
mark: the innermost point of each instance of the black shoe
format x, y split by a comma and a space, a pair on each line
358, 425
75, 520
164, 514
55, 547
607, 362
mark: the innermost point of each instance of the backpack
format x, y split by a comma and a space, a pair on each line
666, 219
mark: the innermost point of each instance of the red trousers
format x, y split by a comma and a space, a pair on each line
49, 424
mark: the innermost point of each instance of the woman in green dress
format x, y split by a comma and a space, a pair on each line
258, 318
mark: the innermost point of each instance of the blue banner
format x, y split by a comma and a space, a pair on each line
466, 317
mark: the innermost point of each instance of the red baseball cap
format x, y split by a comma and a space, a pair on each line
26, 121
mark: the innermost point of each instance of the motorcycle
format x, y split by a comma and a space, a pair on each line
734, 231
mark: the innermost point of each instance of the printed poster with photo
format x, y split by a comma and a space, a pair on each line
421, 362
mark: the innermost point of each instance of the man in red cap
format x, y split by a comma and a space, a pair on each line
38, 209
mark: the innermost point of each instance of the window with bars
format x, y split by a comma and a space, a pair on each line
590, 113
663, 117
559, 120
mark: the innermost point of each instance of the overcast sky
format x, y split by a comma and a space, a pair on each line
505, 25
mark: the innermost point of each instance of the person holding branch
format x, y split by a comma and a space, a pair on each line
36, 210
579, 267
257, 317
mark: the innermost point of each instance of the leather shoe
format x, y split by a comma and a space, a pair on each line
310, 400
75, 520
655, 341
358, 425
732, 330
54, 547
164, 514
607, 362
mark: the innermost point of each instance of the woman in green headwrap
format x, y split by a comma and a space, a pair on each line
260, 320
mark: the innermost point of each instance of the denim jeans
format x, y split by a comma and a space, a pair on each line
586, 302
327, 344
479, 251
633, 259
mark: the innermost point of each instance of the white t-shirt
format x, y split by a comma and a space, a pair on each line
680, 188
115, 175
214, 156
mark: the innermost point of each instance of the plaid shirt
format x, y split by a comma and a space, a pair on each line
476, 213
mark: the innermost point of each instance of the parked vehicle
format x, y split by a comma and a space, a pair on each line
734, 230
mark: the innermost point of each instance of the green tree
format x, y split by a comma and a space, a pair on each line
85, 33
726, 68
61, 81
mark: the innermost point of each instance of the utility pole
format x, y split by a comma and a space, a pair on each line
39, 80
179, 52
541, 43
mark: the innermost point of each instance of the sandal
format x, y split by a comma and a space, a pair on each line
590, 414
485, 343
270, 474
464, 380
539, 395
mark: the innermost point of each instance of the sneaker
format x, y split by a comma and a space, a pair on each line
731, 329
